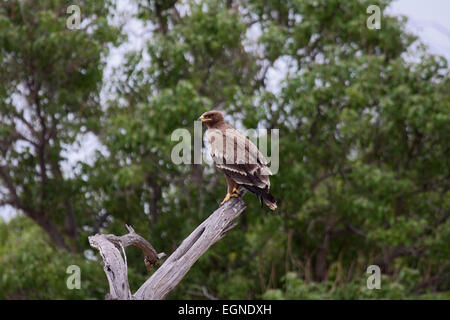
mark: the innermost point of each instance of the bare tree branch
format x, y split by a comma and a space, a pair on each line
172, 271
115, 268
132, 238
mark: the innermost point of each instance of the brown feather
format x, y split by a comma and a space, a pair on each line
239, 158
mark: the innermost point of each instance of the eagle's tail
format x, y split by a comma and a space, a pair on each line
263, 195
271, 205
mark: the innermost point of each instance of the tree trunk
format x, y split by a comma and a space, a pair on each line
53, 233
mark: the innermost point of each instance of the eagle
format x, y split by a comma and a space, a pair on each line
238, 158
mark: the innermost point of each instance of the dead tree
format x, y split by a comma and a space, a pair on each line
172, 271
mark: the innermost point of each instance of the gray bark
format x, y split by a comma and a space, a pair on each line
172, 271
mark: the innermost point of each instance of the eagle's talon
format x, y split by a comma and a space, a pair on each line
227, 197
235, 193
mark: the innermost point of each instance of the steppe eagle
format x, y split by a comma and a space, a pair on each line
238, 158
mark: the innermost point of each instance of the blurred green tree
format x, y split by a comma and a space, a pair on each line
364, 133
50, 80
364, 142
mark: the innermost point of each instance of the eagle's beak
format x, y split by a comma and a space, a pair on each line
203, 119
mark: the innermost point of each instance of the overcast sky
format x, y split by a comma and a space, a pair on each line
429, 19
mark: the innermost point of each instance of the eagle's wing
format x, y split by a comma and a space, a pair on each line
238, 158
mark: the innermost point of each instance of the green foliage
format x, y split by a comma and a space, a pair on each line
32, 268
364, 168
401, 288
50, 82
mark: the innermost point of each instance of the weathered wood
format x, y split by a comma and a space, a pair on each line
191, 249
172, 271
114, 266
132, 238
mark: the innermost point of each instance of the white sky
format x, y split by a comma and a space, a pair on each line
429, 19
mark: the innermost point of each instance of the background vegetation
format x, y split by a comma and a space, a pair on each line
364, 121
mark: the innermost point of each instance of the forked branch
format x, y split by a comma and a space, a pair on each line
172, 271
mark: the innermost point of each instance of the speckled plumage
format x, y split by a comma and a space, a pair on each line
238, 158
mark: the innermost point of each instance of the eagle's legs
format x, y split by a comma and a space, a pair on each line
227, 197
232, 190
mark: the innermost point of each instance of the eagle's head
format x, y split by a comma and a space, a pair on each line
211, 118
